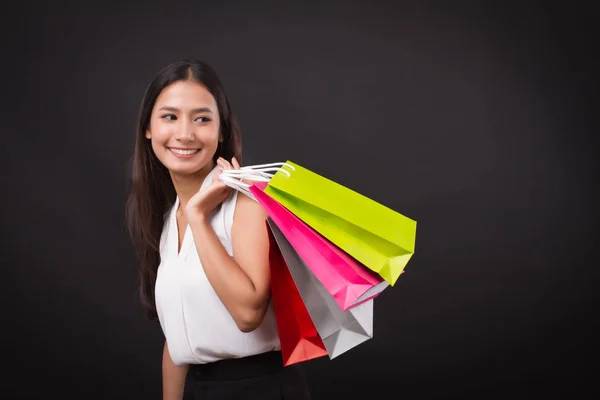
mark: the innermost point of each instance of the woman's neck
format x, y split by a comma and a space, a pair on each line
188, 185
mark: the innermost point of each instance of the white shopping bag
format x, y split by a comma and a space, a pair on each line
340, 330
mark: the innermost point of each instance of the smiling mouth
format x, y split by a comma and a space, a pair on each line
184, 152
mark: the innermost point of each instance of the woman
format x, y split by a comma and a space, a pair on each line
202, 248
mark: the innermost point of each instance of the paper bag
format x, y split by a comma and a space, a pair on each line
298, 336
378, 237
343, 277
339, 330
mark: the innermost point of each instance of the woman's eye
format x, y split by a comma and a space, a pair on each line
173, 117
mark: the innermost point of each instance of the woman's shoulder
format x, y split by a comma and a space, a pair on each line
248, 215
167, 224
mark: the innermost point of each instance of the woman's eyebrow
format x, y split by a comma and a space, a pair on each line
195, 110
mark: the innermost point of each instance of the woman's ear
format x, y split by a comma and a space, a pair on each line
148, 135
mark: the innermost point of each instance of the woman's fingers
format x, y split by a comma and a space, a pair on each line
234, 164
224, 163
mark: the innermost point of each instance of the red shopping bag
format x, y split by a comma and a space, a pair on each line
298, 335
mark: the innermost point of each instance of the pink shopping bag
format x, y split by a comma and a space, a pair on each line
348, 281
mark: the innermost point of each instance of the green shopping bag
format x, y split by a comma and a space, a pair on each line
377, 236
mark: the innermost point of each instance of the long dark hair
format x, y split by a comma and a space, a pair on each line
152, 192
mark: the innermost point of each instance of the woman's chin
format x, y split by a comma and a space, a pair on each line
188, 170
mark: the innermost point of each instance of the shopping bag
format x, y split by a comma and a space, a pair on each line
342, 277
378, 237
298, 336
339, 330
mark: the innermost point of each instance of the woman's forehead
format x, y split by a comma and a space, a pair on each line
186, 96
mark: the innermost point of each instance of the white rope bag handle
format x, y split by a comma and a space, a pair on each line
256, 173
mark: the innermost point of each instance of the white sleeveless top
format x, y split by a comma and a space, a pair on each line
197, 326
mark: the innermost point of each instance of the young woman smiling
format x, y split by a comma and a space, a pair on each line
202, 248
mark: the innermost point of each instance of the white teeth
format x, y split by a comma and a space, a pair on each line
185, 152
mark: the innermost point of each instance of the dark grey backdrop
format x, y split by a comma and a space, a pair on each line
474, 120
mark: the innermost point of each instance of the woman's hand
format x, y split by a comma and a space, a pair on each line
203, 202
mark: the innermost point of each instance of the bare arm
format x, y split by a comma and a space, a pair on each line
173, 377
241, 282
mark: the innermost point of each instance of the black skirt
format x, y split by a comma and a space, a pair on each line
262, 376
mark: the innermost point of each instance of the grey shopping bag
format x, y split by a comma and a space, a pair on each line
340, 330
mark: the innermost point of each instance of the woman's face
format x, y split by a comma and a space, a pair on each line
184, 128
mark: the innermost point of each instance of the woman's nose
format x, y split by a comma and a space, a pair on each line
185, 132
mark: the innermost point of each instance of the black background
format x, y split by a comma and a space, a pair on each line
477, 120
